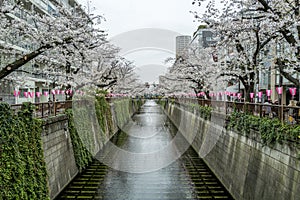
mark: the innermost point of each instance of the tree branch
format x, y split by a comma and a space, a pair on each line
8, 69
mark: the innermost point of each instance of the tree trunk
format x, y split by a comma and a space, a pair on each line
248, 89
8, 69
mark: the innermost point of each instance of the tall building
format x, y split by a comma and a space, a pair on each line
204, 38
182, 42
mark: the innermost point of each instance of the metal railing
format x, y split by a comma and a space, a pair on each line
46, 109
288, 114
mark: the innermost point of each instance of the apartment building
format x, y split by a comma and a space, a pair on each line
182, 43
34, 87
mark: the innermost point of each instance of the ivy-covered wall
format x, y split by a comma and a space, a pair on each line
58, 152
270, 131
92, 123
68, 142
121, 111
82, 156
23, 173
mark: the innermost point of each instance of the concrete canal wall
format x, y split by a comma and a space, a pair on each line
58, 148
247, 168
58, 153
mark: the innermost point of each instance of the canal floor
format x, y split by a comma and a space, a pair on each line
150, 131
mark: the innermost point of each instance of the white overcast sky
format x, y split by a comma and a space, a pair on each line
130, 15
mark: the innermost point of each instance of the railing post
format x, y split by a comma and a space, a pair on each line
42, 110
281, 113
260, 110
226, 107
54, 108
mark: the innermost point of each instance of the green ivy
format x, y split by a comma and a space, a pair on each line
104, 115
203, 111
23, 173
122, 111
82, 154
83, 157
162, 102
137, 103
271, 130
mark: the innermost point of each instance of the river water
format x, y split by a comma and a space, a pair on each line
144, 168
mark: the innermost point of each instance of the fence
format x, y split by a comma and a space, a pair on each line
288, 114
46, 109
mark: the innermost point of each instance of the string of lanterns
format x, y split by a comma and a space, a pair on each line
239, 95
17, 93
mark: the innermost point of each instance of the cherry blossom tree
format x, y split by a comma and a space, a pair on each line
129, 83
67, 49
171, 84
195, 70
248, 31
60, 45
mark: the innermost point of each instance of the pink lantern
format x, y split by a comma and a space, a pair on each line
53, 92
269, 92
279, 90
38, 94
293, 91
62, 92
239, 95
251, 95
57, 92
46, 93
26, 94
16, 93
31, 94
234, 94
259, 95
